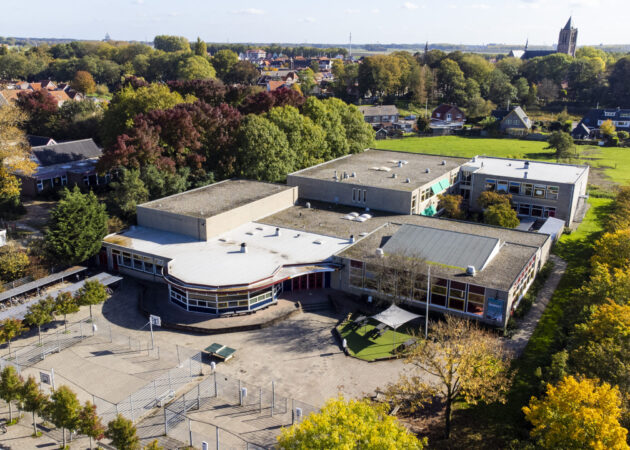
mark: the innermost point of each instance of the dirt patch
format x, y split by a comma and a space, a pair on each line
37, 214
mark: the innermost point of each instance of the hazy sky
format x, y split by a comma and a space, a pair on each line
323, 21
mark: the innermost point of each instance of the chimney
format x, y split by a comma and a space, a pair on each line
243, 247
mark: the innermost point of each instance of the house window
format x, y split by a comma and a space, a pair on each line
502, 186
465, 178
439, 288
537, 211
414, 203
540, 191
40, 186
524, 209
86, 181
126, 259
356, 273
64, 180
515, 187
552, 192
364, 196
457, 296
437, 115
491, 185
454, 177
528, 189
476, 297
426, 194
609, 114
550, 212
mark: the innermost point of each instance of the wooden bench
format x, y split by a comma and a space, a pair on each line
220, 351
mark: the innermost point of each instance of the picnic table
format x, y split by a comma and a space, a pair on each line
220, 351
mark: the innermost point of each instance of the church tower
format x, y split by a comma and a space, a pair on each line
567, 42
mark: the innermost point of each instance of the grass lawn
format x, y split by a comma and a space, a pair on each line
364, 347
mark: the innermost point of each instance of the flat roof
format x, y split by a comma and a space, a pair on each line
208, 201
500, 272
536, 170
376, 168
329, 219
220, 262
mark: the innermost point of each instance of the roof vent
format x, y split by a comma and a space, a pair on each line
243, 247
526, 165
474, 159
525, 175
394, 175
407, 180
427, 170
470, 270
443, 162
277, 231
336, 177
400, 163
353, 175
317, 241
352, 238
345, 174
308, 205
380, 253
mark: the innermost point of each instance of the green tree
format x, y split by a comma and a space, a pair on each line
129, 102
452, 206
123, 434
463, 361
423, 124
451, 82
63, 410
353, 424
331, 122
91, 293
153, 445
359, 134
66, 304
263, 150
39, 314
10, 387
33, 400
577, 415
77, 226
562, 143
200, 48
307, 81
500, 90
243, 72
613, 250
89, 423
501, 215
195, 68
9, 329
171, 43
162, 183
83, 82
489, 198
127, 193
223, 61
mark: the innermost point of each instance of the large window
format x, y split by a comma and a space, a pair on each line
502, 186
491, 185
439, 288
457, 296
524, 209
528, 189
537, 211
540, 191
515, 187
356, 274
552, 192
476, 298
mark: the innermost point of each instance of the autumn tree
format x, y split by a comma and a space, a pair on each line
89, 422
463, 360
501, 215
607, 128
33, 400
604, 284
452, 206
41, 109
619, 217
122, 433
83, 82
489, 198
14, 156
352, 424
91, 293
77, 225
39, 314
10, 329
13, 263
577, 414
10, 387
63, 410
613, 250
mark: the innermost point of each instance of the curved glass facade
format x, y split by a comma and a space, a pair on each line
218, 303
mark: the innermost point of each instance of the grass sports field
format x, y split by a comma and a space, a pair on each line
615, 162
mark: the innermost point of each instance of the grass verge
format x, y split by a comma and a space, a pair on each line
363, 346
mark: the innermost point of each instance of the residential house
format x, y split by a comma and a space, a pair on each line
38, 141
381, 115
447, 117
581, 132
63, 164
595, 117
256, 54
513, 121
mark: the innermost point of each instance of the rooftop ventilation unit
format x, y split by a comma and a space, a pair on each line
443, 162
308, 205
354, 175
526, 166
277, 231
365, 233
427, 170
400, 163
525, 175
317, 241
470, 270
345, 174
407, 180
380, 253
354, 214
352, 238
243, 247
394, 175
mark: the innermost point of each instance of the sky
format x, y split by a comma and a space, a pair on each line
323, 21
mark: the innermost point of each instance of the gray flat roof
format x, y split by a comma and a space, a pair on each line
535, 170
445, 247
376, 167
216, 198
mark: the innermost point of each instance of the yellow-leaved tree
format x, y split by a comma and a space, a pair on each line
579, 414
14, 154
353, 424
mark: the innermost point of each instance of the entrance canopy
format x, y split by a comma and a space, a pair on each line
394, 317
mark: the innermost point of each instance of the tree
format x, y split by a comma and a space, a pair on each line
66, 304
9, 329
39, 314
613, 250
243, 72
500, 90
13, 264
171, 43
91, 293
331, 122
607, 128
63, 410
76, 228
577, 414
263, 150
123, 434
33, 400
619, 80
89, 423
162, 183
153, 445
200, 48
562, 143
423, 124
14, 156
602, 345
10, 387
452, 206
41, 108
127, 193
489, 198
83, 82
464, 360
548, 90
195, 68
307, 81
451, 81
352, 424
501, 215
223, 61
604, 284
